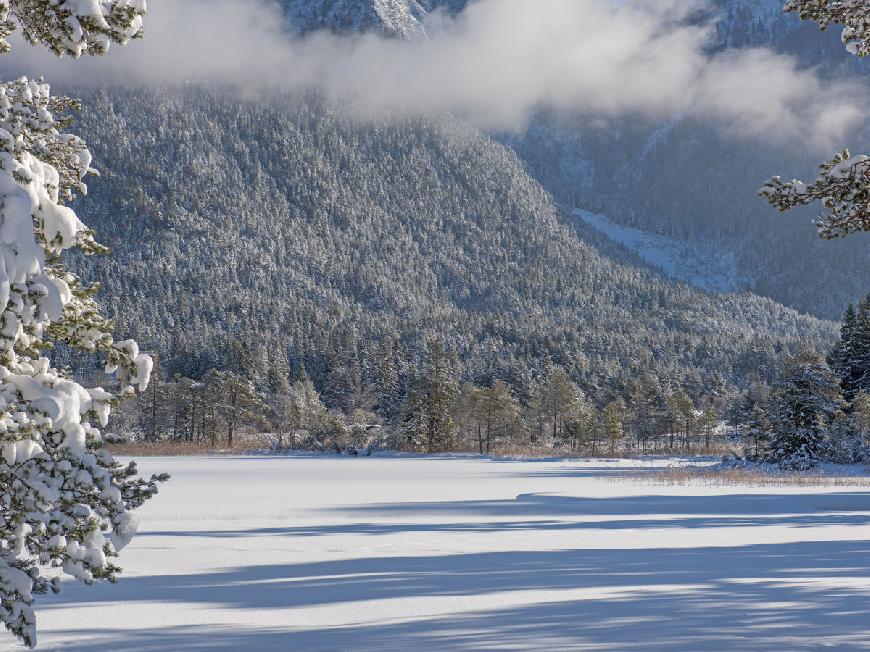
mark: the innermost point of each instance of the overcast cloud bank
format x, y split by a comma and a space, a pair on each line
494, 65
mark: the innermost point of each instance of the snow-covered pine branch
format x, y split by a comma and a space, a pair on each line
72, 27
853, 15
64, 501
843, 188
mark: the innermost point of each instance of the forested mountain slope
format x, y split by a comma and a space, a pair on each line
256, 234
682, 179
688, 180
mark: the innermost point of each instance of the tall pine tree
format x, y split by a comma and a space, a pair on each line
428, 422
850, 357
803, 406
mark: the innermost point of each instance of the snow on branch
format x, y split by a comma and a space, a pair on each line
843, 188
853, 15
64, 501
72, 27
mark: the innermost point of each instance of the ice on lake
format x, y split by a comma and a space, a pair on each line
414, 553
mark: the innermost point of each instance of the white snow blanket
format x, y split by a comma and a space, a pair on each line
395, 553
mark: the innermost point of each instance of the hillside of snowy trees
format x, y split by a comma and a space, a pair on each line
809, 409
304, 274
635, 171
331, 241
347, 251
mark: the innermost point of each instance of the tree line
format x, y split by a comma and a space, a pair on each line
819, 409
806, 409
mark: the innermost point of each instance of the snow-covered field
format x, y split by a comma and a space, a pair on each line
327, 553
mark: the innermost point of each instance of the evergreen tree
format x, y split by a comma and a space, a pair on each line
843, 186
707, 421
803, 407
752, 421
841, 359
415, 412
681, 410
559, 399
850, 357
309, 410
845, 443
860, 414
614, 414
235, 400
65, 502
500, 413
582, 427
428, 422
387, 385
278, 371
646, 410
468, 414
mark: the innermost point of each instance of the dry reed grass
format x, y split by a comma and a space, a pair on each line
241, 442
680, 476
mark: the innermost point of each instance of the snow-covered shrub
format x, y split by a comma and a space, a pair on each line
364, 433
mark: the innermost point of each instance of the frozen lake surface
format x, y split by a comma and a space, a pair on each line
327, 553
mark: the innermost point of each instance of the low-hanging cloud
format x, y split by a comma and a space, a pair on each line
494, 65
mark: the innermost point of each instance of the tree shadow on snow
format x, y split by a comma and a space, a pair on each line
530, 512
760, 597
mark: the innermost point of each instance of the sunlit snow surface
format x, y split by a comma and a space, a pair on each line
701, 267
327, 553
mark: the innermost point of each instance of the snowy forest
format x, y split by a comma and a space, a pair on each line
492, 290
330, 260
808, 409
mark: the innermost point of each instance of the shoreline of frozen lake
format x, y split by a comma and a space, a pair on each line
398, 553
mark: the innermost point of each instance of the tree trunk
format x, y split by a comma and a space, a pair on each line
192, 416
154, 411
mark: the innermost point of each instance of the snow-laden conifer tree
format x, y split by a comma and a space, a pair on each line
427, 422
803, 407
614, 419
852, 15
850, 357
843, 185
65, 504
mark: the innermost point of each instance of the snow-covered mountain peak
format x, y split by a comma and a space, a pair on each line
397, 18
740, 22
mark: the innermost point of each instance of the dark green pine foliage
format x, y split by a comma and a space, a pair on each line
850, 358
751, 418
427, 420
386, 380
804, 405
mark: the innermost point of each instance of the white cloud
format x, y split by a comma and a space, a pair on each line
494, 65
